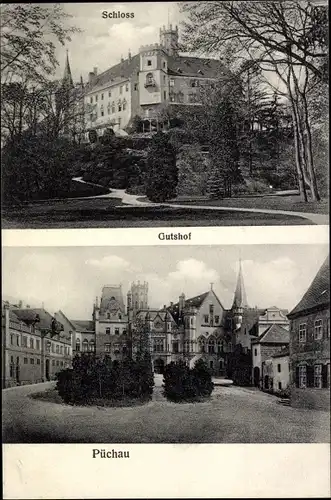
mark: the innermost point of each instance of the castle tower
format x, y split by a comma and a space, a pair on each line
240, 299
169, 39
139, 296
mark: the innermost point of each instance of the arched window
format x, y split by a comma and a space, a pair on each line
85, 345
211, 346
220, 346
108, 315
92, 345
202, 345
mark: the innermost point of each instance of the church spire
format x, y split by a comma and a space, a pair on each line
67, 77
240, 299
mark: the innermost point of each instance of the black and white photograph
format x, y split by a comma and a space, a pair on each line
164, 114
198, 344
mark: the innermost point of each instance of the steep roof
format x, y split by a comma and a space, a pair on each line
67, 77
240, 298
121, 71
318, 294
111, 298
83, 325
194, 66
192, 302
274, 334
30, 315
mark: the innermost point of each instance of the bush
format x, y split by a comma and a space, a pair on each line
184, 384
92, 378
162, 173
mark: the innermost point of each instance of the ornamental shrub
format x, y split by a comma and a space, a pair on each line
184, 384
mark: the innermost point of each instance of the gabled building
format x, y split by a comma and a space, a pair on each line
310, 344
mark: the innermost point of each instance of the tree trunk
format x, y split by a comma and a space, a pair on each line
310, 159
301, 181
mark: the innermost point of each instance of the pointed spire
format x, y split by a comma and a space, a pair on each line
67, 77
240, 299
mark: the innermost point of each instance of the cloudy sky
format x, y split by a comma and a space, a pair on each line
104, 41
69, 278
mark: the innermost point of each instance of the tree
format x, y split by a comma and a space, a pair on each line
162, 173
29, 33
282, 37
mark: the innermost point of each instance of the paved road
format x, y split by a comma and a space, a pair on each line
133, 200
233, 415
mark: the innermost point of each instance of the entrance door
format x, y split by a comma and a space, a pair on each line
159, 365
256, 376
47, 370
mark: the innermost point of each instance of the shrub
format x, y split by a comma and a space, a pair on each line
184, 384
92, 378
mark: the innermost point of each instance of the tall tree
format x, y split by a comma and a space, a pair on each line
285, 38
162, 172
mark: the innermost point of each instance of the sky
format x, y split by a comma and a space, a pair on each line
69, 278
104, 41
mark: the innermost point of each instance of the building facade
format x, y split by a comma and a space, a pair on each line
34, 346
310, 345
146, 83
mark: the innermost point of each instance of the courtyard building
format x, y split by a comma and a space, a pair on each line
34, 346
310, 344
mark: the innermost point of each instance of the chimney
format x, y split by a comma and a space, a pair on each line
91, 76
171, 304
164, 307
20, 304
122, 59
95, 71
129, 55
28, 306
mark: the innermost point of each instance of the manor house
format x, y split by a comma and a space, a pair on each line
146, 83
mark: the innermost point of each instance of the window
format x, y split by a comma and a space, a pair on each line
149, 62
255, 352
279, 386
135, 86
108, 315
91, 100
158, 345
211, 364
211, 346
108, 331
61, 349
328, 328
121, 89
220, 346
117, 331
180, 97
11, 367
96, 98
24, 341
91, 117
102, 97
25, 361
206, 318
164, 94
12, 339
163, 64
85, 345
318, 329
107, 347
124, 105
108, 109
109, 93
172, 97
124, 332
92, 345
102, 113
38, 345
57, 363
53, 347
57, 349
302, 332
31, 361
53, 362
117, 348
211, 309
302, 376
38, 361
192, 98
217, 319
61, 363
17, 340
119, 106
164, 78
171, 82
126, 87
175, 346
318, 376
202, 345
194, 83
113, 107
77, 345
120, 316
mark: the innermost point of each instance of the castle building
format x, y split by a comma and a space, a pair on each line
146, 83
310, 345
34, 346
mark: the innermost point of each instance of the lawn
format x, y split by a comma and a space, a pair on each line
110, 212
232, 415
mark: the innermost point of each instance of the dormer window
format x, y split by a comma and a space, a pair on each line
200, 72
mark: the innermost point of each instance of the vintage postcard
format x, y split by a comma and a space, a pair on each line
165, 271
